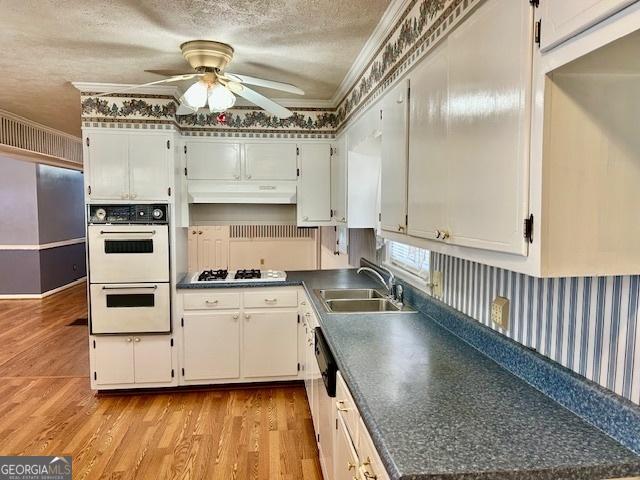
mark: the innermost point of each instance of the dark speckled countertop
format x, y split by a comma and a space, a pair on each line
437, 408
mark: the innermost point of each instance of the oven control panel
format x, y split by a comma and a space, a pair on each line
137, 213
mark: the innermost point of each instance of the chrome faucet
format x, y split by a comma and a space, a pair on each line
390, 284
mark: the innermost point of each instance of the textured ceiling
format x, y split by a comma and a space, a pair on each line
46, 44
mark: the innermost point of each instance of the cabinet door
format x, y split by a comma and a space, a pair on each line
327, 424
192, 249
113, 360
314, 184
562, 19
270, 347
213, 161
489, 111
149, 166
346, 460
395, 129
152, 359
107, 164
270, 161
310, 365
211, 346
213, 247
428, 178
339, 181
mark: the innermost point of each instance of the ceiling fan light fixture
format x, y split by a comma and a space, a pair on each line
196, 95
220, 98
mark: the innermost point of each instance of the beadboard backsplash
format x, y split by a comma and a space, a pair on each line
588, 324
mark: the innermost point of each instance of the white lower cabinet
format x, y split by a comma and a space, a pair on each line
346, 458
270, 343
132, 360
211, 345
226, 338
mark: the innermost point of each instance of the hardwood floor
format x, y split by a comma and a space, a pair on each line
47, 408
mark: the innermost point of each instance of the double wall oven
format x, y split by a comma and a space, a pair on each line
129, 287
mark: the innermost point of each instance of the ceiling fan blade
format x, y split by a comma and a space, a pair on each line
263, 102
169, 73
261, 82
176, 78
184, 109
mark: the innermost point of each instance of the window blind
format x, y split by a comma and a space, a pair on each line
412, 259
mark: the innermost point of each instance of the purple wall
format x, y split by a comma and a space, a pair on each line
39, 204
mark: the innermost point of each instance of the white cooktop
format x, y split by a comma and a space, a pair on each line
265, 276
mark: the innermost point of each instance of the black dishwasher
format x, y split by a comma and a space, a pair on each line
326, 363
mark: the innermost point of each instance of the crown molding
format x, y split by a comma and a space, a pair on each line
389, 20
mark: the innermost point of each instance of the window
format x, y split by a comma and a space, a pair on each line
411, 259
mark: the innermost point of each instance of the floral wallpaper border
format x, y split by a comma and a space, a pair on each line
162, 109
420, 27
418, 30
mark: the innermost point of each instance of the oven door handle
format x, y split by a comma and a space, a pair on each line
150, 287
128, 232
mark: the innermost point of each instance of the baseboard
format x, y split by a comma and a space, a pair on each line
38, 296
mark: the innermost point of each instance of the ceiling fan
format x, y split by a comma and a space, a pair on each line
214, 86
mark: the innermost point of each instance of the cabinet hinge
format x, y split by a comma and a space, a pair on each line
172, 342
380, 114
297, 172
168, 144
94, 344
182, 322
297, 150
185, 171
331, 213
185, 149
318, 438
537, 32
183, 371
298, 318
380, 216
88, 142
534, 3
173, 373
406, 220
528, 229
89, 189
95, 375
169, 191
298, 366
336, 423
330, 151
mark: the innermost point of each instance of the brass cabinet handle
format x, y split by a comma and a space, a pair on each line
235, 316
271, 300
247, 316
211, 302
351, 466
339, 406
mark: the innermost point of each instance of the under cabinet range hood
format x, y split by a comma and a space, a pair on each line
241, 192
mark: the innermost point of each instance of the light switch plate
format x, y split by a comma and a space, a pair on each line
500, 312
436, 284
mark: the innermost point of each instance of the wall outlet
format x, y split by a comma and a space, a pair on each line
500, 312
436, 284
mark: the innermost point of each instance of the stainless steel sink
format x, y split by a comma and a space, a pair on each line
349, 293
368, 305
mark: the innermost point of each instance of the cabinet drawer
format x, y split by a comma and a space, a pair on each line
346, 407
211, 300
271, 298
370, 463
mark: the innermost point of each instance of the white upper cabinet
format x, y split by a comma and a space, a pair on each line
428, 175
149, 169
314, 184
107, 165
339, 181
395, 128
213, 161
563, 19
490, 61
128, 166
270, 161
